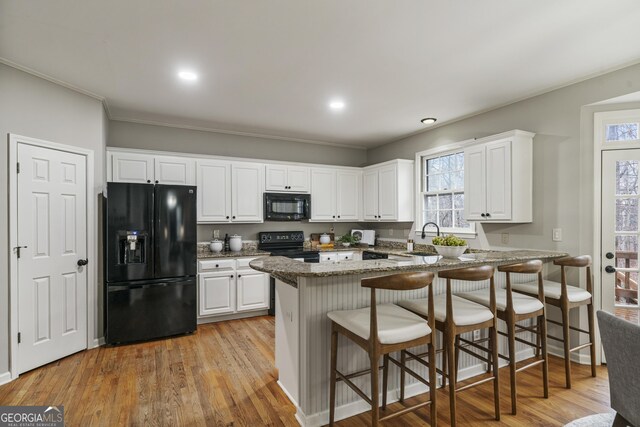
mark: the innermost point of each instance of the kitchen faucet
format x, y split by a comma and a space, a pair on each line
430, 223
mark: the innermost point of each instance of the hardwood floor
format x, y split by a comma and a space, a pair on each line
224, 375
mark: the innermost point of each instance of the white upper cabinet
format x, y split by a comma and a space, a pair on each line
388, 191
174, 170
229, 191
294, 179
214, 191
247, 189
349, 197
149, 168
323, 194
498, 178
131, 167
335, 194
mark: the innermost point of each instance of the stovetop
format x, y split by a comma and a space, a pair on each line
286, 243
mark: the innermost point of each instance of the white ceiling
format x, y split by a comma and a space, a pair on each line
271, 67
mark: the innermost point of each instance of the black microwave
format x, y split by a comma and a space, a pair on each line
286, 207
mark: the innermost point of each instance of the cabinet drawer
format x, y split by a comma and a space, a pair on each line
216, 265
243, 263
329, 257
343, 256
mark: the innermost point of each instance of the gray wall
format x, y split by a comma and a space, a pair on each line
34, 107
151, 137
563, 158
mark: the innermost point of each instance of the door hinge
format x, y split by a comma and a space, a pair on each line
18, 167
19, 337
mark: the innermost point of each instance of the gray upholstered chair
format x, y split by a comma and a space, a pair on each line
621, 342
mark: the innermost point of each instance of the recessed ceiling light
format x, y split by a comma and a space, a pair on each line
188, 76
428, 120
337, 105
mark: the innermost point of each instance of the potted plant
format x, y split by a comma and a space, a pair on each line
347, 240
449, 246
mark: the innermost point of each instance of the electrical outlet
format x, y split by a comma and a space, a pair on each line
557, 235
476, 335
391, 232
216, 234
505, 238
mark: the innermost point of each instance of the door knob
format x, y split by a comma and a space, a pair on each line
609, 269
609, 255
82, 262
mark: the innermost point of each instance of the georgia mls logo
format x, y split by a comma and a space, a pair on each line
31, 416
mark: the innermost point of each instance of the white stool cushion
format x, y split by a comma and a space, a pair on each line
552, 290
395, 324
465, 312
522, 304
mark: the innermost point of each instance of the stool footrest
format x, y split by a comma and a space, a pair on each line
405, 410
482, 381
410, 371
477, 356
573, 328
580, 347
353, 387
531, 365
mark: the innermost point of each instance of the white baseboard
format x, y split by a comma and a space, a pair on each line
287, 393
214, 319
360, 406
97, 342
5, 377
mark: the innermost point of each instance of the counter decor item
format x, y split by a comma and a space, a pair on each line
325, 239
316, 242
449, 246
216, 245
410, 245
235, 243
348, 239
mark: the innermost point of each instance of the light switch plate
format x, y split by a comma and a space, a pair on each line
557, 235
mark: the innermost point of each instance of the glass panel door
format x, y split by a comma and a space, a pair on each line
620, 232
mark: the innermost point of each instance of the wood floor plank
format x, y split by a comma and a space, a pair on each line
224, 375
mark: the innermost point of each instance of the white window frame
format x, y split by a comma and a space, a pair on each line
469, 233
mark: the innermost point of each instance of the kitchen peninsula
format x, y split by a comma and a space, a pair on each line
306, 292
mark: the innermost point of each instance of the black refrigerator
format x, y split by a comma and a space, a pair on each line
149, 261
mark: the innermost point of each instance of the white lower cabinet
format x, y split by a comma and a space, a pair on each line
230, 286
217, 293
253, 291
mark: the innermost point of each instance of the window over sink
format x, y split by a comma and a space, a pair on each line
441, 196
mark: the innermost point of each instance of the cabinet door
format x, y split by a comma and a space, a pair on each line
253, 290
498, 158
298, 179
388, 193
247, 188
474, 184
174, 170
132, 167
323, 194
276, 178
370, 194
348, 195
214, 191
217, 293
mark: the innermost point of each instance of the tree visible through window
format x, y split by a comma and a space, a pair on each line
622, 132
443, 191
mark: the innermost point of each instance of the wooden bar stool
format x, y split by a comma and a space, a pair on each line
454, 316
567, 297
513, 307
380, 330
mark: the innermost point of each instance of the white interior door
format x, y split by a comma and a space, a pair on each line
620, 232
52, 287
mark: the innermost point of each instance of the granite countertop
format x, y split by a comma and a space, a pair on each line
229, 254
289, 270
